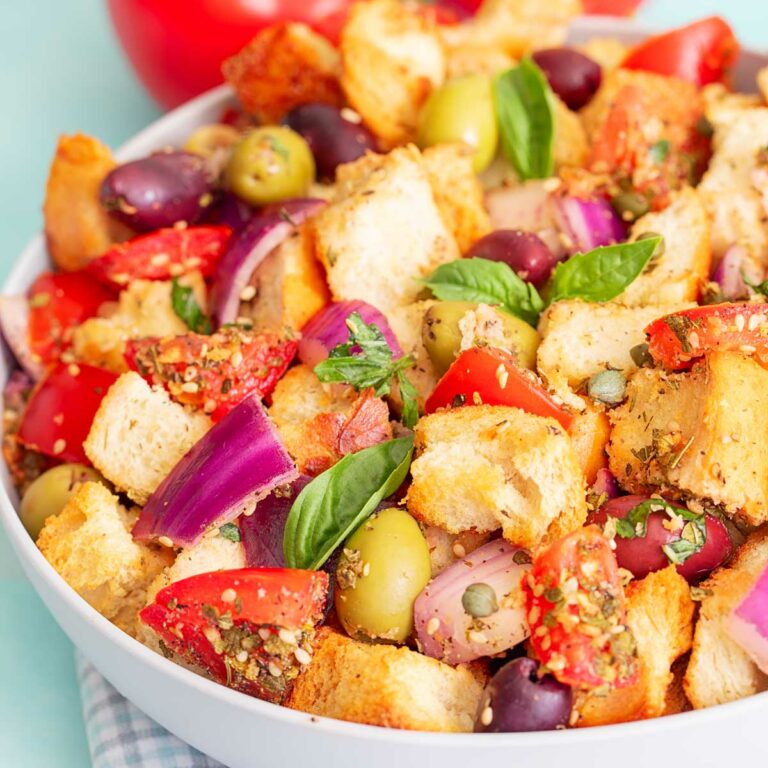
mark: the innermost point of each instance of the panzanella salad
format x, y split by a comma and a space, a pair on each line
427, 388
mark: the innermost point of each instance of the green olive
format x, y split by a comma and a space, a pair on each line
270, 164
383, 568
208, 140
49, 493
462, 110
442, 335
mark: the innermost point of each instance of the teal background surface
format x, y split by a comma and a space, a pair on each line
61, 71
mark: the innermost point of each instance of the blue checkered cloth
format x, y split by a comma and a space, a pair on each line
120, 735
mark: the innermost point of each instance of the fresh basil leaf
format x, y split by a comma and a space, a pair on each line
186, 307
602, 274
692, 538
526, 116
756, 287
487, 282
340, 499
230, 531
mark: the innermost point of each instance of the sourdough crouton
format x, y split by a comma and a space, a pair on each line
762, 83
571, 146
699, 433
457, 192
485, 467
660, 615
284, 66
144, 309
392, 59
446, 548
678, 274
383, 230
608, 52
89, 543
579, 339
289, 286
589, 433
139, 435
386, 686
465, 59
77, 228
719, 670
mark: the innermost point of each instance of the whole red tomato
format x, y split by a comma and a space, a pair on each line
177, 47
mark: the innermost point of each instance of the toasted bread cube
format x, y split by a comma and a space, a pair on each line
457, 192
290, 286
660, 614
139, 435
392, 60
465, 59
485, 467
284, 66
720, 670
446, 548
762, 83
77, 228
89, 543
699, 433
608, 52
571, 146
678, 274
579, 339
589, 432
383, 230
386, 686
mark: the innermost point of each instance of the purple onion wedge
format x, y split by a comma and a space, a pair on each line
728, 274
14, 322
588, 224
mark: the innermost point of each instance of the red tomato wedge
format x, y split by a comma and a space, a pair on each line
577, 613
213, 372
250, 629
488, 376
60, 411
702, 52
676, 340
611, 7
162, 255
59, 301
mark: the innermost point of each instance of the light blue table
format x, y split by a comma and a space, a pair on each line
61, 72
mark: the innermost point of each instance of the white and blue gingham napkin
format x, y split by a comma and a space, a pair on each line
120, 735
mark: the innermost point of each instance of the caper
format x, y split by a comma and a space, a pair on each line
383, 568
479, 600
608, 387
641, 357
630, 205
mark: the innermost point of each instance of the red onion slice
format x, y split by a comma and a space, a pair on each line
605, 484
728, 273
249, 247
447, 632
748, 624
328, 328
588, 224
14, 324
237, 463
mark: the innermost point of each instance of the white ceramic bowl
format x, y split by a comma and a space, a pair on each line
243, 732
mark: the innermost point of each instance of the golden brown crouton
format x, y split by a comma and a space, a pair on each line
719, 670
139, 435
386, 686
571, 146
589, 434
89, 543
660, 615
465, 59
608, 52
446, 548
284, 66
762, 83
392, 60
485, 467
699, 433
683, 267
382, 231
579, 339
77, 227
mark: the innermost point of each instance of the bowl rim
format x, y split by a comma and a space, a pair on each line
31, 558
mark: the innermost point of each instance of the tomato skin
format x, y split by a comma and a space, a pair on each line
58, 301
61, 409
702, 52
676, 340
572, 648
611, 7
480, 371
191, 614
187, 249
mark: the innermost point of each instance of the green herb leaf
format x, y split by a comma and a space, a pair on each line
186, 307
659, 151
602, 274
366, 361
756, 287
336, 502
526, 116
230, 531
488, 282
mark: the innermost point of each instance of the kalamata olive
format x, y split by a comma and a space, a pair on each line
573, 76
643, 554
443, 335
517, 699
383, 567
525, 252
270, 164
462, 110
335, 136
158, 191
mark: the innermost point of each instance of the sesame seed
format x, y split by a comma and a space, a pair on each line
739, 320
211, 634
476, 399
165, 541
228, 595
59, 446
274, 670
351, 116
302, 656
754, 321
242, 656
58, 419
73, 369
264, 633
242, 320
190, 386
476, 637
486, 717
159, 259
458, 550
249, 292
287, 636
210, 406
236, 359
693, 338
502, 376
534, 615
747, 349
433, 625
366, 569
